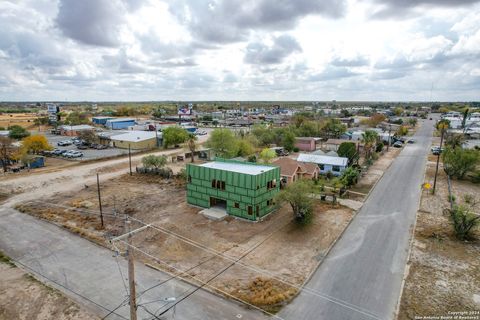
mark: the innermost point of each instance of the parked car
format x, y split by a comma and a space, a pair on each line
82, 147
64, 143
398, 144
411, 141
76, 154
101, 147
58, 152
201, 133
436, 150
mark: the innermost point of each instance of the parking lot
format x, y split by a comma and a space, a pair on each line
88, 154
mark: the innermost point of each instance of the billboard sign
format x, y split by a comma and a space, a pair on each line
185, 110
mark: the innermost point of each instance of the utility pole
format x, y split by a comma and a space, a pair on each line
389, 138
442, 127
99, 199
131, 274
130, 158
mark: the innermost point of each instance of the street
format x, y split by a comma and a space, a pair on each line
79, 267
362, 275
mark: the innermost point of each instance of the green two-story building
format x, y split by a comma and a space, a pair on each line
246, 190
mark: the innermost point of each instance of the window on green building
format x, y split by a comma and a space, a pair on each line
250, 211
214, 183
237, 205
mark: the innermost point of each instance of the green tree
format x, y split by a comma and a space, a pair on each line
369, 139
398, 111
333, 128
192, 145
18, 132
153, 161
223, 142
412, 122
297, 195
350, 176
75, 118
266, 155
348, 150
173, 136
245, 148
458, 162
455, 140
89, 136
289, 141
402, 131
463, 221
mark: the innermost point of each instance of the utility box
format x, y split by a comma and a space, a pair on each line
244, 189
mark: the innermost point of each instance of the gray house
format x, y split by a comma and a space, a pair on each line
336, 165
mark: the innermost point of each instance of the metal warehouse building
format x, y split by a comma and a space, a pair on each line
119, 123
246, 190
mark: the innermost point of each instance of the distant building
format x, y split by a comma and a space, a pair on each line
136, 140
334, 144
244, 189
67, 130
306, 143
119, 123
291, 170
335, 165
101, 120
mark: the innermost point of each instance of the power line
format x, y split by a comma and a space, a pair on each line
255, 269
204, 283
66, 288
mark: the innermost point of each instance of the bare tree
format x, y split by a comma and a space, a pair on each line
6, 152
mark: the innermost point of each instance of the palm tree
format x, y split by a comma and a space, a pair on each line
455, 140
369, 139
192, 145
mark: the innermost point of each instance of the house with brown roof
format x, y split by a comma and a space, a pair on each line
291, 170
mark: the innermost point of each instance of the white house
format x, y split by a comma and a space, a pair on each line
335, 165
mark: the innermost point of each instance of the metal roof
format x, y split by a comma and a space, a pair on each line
134, 136
322, 159
251, 169
77, 127
120, 120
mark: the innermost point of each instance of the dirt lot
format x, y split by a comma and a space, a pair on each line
24, 297
444, 273
275, 256
21, 119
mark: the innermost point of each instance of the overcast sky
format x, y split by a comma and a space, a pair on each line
397, 50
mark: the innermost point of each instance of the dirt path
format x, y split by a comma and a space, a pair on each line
38, 186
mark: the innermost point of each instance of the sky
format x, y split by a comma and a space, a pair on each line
315, 50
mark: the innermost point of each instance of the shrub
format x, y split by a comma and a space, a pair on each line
348, 150
463, 221
153, 161
458, 162
295, 149
350, 176
379, 147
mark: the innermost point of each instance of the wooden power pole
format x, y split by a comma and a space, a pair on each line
99, 199
130, 159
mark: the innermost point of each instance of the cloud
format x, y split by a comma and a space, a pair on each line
350, 62
92, 22
282, 47
227, 21
332, 73
403, 8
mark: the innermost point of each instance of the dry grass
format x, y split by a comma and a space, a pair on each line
162, 203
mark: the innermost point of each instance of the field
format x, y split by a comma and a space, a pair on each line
24, 297
444, 273
22, 119
262, 263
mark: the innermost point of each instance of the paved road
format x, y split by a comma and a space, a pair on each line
363, 273
92, 271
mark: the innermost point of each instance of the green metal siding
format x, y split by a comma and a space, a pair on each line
244, 189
